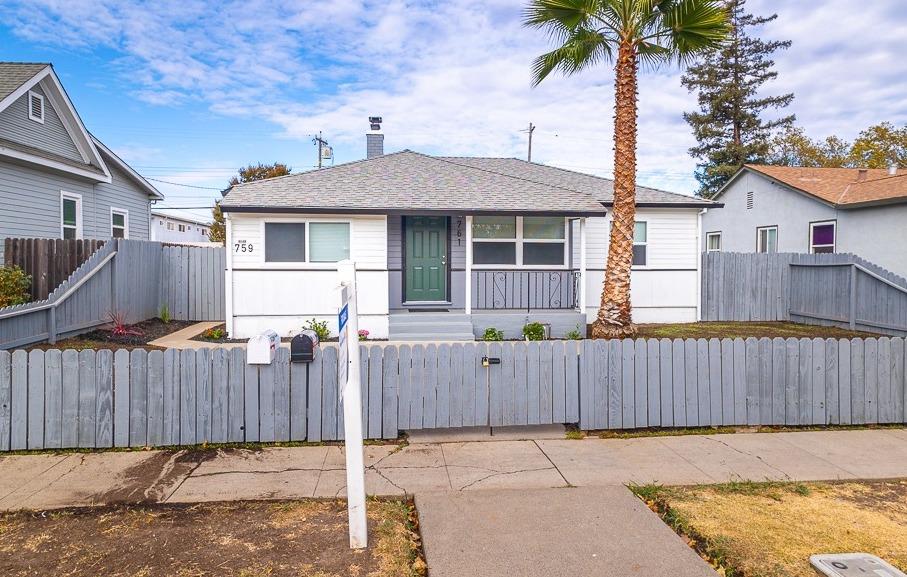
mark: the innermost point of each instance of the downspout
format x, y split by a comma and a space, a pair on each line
699, 263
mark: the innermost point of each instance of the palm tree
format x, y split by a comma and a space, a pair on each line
652, 32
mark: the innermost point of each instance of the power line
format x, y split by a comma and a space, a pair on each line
186, 185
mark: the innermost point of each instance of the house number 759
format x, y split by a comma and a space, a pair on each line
242, 246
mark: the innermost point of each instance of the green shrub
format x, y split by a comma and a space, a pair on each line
493, 334
575, 334
164, 314
534, 331
321, 329
14, 286
214, 334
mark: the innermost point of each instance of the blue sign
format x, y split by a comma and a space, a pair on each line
343, 316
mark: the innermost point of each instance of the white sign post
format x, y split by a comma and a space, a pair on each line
351, 393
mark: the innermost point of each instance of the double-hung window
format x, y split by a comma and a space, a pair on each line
533, 241
316, 242
767, 239
822, 236
640, 243
119, 223
70, 215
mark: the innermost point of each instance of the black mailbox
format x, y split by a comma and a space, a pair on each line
302, 347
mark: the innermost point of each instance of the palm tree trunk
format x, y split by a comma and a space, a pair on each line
614, 315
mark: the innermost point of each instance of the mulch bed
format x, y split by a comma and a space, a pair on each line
104, 338
224, 339
236, 539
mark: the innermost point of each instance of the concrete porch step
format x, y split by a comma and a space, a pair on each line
430, 326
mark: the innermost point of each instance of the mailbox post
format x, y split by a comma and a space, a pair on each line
351, 393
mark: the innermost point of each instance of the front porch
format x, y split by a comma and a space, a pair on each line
453, 276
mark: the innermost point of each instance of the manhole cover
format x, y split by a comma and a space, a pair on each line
853, 565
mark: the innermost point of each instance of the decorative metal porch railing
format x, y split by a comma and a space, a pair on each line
524, 289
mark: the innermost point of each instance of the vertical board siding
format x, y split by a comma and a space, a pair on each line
58, 399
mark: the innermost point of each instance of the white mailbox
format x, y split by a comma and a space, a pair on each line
262, 348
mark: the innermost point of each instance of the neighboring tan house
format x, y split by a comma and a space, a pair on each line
56, 179
447, 247
177, 229
813, 210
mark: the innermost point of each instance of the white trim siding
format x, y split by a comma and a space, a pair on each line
125, 214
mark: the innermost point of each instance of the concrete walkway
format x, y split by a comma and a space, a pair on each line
600, 531
46, 481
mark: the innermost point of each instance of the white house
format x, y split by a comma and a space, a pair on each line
178, 229
447, 247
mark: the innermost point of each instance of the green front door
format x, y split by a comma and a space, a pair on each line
426, 258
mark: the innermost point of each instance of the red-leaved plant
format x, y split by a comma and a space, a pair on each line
120, 327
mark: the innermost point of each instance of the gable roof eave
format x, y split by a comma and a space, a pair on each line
135, 176
789, 186
59, 99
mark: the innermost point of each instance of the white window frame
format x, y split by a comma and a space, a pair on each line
519, 239
834, 245
38, 119
78, 199
708, 237
180, 227
759, 231
125, 213
307, 263
645, 244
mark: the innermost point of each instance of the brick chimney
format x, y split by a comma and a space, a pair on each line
861, 174
374, 138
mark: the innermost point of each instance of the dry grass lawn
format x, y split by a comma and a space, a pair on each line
241, 539
733, 330
771, 529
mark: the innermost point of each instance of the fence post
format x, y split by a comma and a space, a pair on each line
853, 296
52, 325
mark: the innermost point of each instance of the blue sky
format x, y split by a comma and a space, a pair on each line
187, 91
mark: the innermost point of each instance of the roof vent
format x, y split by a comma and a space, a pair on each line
36, 107
750, 200
893, 169
861, 174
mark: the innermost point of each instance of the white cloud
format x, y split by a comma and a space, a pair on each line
453, 78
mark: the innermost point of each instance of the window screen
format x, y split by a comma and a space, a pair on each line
285, 242
329, 241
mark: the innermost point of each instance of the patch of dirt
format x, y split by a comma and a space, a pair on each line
238, 539
743, 330
103, 338
771, 529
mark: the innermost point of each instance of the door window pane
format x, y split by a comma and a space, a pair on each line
494, 227
494, 252
543, 253
285, 242
69, 212
329, 241
543, 227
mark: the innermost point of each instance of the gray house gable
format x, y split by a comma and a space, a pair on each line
56, 141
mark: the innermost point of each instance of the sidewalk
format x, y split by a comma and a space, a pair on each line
48, 481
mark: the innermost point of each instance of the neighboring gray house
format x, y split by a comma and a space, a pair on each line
178, 229
813, 210
448, 247
56, 179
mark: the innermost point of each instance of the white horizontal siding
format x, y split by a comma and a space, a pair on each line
671, 239
368, 239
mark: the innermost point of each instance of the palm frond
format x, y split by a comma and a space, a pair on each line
582, 49
689, 27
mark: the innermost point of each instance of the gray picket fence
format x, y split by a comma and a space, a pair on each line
825, 289
60, 399
130, 277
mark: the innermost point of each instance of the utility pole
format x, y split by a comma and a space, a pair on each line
530, 131
321, 143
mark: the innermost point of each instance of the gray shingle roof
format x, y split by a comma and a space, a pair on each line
600, 188
15, 74
410, 181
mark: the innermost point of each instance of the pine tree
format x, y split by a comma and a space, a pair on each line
729, 128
